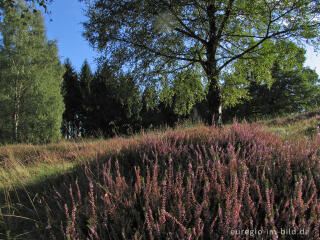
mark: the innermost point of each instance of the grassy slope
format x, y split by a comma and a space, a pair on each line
299, 125
22, 165
27, 170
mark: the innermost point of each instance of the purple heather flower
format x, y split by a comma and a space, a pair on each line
48, 227
190, 165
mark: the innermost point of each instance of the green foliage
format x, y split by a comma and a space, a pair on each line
187, 90
31, 78
150, 98
31, 4
85, 79
258, 69
294, 88
157, 38
114, 104
73, 102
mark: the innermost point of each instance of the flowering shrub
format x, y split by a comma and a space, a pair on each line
238, 182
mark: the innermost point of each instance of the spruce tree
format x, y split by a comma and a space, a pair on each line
85, 78
72, 100
114, 104
31, 77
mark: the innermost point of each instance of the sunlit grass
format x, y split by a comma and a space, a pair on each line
22, 176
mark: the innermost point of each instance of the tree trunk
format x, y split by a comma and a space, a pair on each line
16, 114
214, 99
214, 96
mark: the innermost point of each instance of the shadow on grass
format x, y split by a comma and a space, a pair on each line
24, 211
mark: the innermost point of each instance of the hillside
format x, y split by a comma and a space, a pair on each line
304, 124
187, 183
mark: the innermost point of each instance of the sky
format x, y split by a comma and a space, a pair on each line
67, 29
64, 24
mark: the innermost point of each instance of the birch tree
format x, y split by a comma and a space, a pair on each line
156, 39
31, 78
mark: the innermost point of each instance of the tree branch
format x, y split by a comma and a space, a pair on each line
175, 57
225, 19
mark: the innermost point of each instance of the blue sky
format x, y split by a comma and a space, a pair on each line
66, 27
313, 60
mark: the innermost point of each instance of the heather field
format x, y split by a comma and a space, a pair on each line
243, 181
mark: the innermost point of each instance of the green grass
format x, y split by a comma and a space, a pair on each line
22, 176
301, 125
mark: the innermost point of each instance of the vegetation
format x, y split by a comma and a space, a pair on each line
31, 75
164, 63
73, 102
159, 39
295, 89
124, 188
11, 4
113, 101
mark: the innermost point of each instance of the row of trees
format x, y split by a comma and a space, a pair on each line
100, 104
163, 62
107, 104
159, 39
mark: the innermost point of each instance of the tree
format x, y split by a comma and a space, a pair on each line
31, 77
11, 4
114, 104
85, 79
128, 96
159, 38
295, 88
187, 90
72, 100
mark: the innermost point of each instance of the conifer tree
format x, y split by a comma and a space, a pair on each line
114, 104
85, 78
72, 99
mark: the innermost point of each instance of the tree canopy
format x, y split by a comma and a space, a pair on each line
72, 100
31, 3
295, 88
30, 77
157, 39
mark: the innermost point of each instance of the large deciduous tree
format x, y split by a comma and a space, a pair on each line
159, 38
31, 3
31, 77
295, 89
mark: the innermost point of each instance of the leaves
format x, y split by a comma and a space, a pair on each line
161, 38
31, 78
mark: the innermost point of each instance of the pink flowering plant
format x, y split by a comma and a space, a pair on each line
200, 183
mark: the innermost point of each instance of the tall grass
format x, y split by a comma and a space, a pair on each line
239, 182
